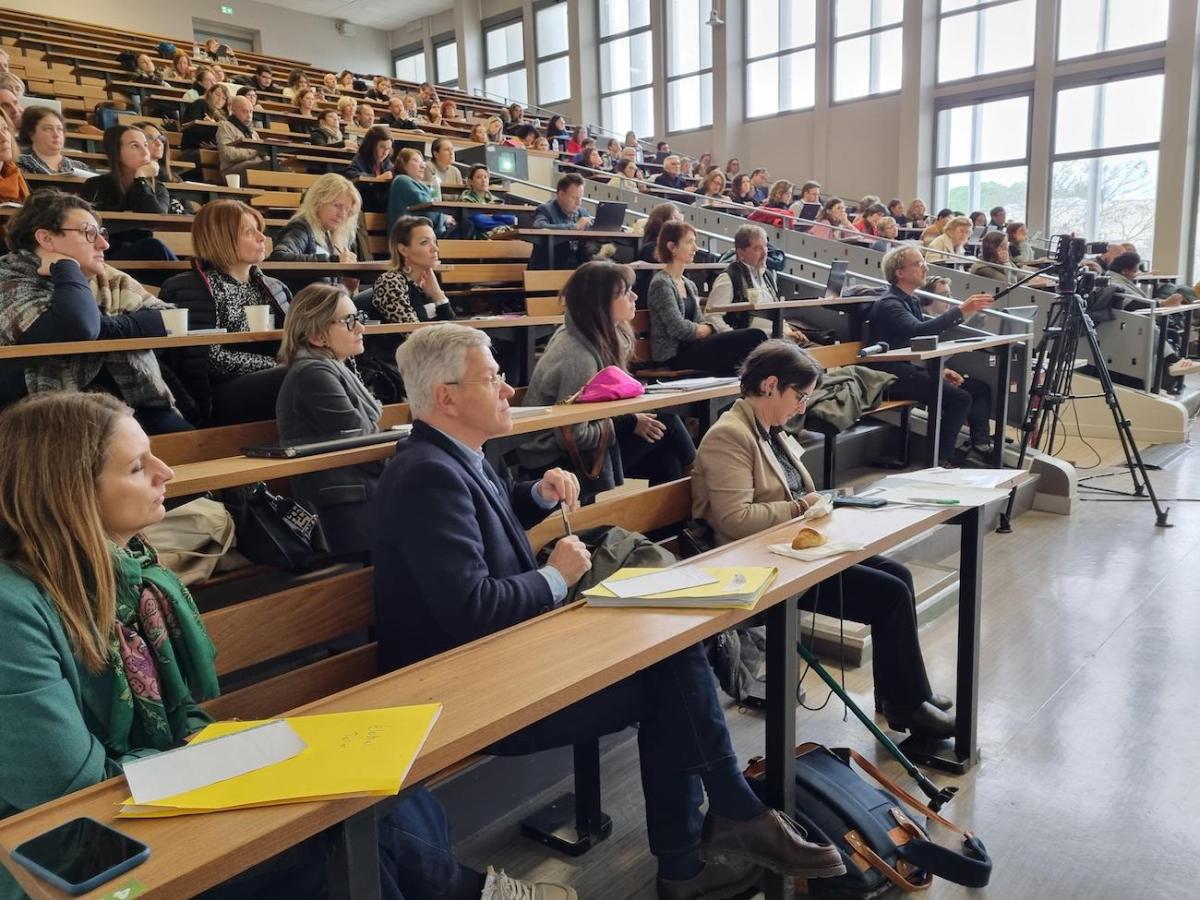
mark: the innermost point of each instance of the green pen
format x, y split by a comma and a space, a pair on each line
934, 500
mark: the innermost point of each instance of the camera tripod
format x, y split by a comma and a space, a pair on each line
1053, 372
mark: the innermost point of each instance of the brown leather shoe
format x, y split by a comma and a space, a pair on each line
716, 881
773, 841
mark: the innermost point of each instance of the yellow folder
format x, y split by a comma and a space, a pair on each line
352, 754
736, 587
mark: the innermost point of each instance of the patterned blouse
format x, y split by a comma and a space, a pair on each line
231, 298
399, 300
31, 162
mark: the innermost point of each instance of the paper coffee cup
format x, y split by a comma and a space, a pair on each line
175, 320
259, 318
234, 181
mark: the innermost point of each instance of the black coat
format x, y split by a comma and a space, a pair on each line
191, 291
104, 193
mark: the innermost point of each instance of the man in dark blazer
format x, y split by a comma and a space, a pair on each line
896, 318
453, 563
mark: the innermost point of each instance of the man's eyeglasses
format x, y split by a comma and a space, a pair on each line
496, 382
89, 232
355, 318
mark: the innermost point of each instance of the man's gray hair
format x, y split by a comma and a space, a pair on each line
435, 355
893, 260
747, 233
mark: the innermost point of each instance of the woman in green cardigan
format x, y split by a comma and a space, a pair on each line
408, 189
103, 655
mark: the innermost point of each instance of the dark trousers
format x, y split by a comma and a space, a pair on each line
719, 353
879, 592
416, 861
662, 461
161, 420
972, 402
682, 741
247, 398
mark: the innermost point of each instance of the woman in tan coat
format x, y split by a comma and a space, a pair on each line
748, 477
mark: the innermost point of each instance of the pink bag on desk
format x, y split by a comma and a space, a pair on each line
610, 383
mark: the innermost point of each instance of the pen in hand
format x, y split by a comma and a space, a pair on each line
566, 522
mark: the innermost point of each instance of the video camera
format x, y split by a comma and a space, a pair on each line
1073, 278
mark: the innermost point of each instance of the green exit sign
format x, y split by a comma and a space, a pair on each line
227, 10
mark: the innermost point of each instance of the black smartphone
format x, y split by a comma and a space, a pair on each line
859, 502
80, 855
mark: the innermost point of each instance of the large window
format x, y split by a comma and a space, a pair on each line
978, 37
867, 48
504, 60
626, 67
983, 156
689, 65
1094, 26
445, 60
1104, 175
553, 52
781, 37
409, 63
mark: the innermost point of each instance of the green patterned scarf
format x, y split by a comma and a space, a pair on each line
160, 664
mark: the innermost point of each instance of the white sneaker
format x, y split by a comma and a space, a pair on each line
504, 887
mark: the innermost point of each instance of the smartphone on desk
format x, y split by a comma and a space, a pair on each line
80, 855
858, 502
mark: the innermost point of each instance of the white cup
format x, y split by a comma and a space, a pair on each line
175, 320
259, 318
234, 181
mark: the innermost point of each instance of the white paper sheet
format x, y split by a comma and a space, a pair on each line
524, 412
659, 582
198, 765
982, 478
689, 384
831, 548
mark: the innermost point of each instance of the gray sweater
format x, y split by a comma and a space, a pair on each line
669, 325
567, 364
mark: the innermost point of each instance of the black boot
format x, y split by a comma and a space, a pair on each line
920, 719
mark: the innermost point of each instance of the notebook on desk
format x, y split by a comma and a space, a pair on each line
294, 450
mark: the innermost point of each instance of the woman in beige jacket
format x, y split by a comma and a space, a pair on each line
748, 477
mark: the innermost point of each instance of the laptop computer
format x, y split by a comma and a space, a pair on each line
294, 450
976, 234
610, 216
808, 213
837, 278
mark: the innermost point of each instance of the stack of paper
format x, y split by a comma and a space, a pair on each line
708, 587
690, 384
234, 765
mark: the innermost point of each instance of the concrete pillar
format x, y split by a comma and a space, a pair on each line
914, 150
470, 44
1041, 121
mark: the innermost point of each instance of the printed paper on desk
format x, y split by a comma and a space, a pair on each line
202, 764
659, 582
927, 494
691, 384
524, 412
982, 478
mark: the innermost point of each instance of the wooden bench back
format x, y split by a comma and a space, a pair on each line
335, 609
285, 181
543, 289
833, 355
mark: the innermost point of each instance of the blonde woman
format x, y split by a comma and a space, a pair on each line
951, 242
305, 101
345, 108
712, 189
324, 228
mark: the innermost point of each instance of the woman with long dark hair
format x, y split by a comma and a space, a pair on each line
599, 301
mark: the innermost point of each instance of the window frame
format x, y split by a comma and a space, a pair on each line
601, 40
778, 54
1098, 79
445, 40
495, 24
1097, 54
979, 6
410, 51
669, 79
538, 59
975, 101
835, 40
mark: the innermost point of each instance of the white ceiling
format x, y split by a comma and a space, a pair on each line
382, 14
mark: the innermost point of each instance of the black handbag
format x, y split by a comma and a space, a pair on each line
875, 830
273, 530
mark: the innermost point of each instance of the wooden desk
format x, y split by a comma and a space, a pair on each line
151, 221
935, 360
549, 662
273, 149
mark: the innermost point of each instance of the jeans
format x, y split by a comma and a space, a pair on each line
682, 742
971, 402
161, 420
416, 861
662, 461
879, 592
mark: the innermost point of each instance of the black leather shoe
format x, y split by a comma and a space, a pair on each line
716, 881
941, 701
771, 840
921, 720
